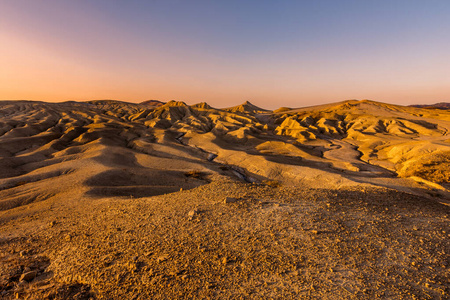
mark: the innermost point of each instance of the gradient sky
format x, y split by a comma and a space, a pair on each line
272, 53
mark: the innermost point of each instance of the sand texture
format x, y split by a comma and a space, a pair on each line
114, 200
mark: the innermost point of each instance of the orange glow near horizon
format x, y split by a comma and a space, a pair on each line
101, 58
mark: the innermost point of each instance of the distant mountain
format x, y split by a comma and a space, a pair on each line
440, 105
203, 105
156, 103
173, 103
246, 107
106, 102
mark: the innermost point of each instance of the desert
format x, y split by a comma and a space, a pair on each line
108, 199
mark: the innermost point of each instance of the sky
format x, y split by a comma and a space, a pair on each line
271, 53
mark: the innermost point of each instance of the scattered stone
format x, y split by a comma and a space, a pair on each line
28, 276
162, 258
192, 213
230, 200
211, 156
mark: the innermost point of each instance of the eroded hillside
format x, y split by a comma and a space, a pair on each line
114, 200
119, 148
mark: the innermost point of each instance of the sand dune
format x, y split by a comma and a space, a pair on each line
82, 164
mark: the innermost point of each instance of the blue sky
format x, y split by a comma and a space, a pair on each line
291, 53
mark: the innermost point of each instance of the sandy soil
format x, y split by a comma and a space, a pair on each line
112, 200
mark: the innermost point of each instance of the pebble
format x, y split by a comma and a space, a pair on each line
230, 200
192, 213
162, 258
28, 276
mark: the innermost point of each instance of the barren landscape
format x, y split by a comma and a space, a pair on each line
114, 200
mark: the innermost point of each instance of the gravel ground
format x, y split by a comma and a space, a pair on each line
267, 242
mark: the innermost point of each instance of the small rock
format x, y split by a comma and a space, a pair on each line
211, 156
23, 253
162, 258
210, 285
28, 276
192, 213
52, 223
314, 231
230, 200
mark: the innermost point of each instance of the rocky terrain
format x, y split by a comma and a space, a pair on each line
113, 200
